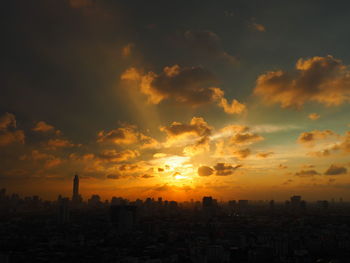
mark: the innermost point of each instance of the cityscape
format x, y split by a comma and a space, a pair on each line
187, 131
157, 230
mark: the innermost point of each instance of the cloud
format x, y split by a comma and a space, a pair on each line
59, 143
10, 137
205, 171
146, 176
314, 116
318, 79
336, 170
242, 153
7, 120
246, 138
194, 86
42, 126
208, 44
114, 176
198, 126
264, 155
234, 108
257, 27
306, 173
126, 50
122, 135
309, 138
282, 166
115, 156
52, 163
222, 169
8, 132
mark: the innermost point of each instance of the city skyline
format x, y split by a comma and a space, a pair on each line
235, 100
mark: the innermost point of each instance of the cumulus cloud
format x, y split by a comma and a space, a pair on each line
194, 86
246, 138
9, 137
59, 143
7, 120
325, 80
205, 171
8, 132
309, 138
117, 156
242, 153
222, 169
207, 43
197, 126
195, 135
306, 173
336, 170
122, 135
42, 126
314, 116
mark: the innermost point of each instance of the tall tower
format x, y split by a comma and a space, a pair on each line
75, 196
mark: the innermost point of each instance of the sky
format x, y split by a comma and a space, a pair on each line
180, 99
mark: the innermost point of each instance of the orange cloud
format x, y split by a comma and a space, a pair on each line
246, 138
42, 126
264, 155
314, 116
126, 50
7, 120
9, 137
115, 156
319, 79
309, 138
123, 135
59, 143
242, 153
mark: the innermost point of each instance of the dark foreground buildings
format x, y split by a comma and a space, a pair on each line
156, 231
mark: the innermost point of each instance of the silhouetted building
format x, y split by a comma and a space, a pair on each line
123, 217
63, 209
76, 198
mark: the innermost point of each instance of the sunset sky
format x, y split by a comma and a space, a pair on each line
240, 99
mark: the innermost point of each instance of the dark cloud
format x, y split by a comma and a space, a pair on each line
194, 86
207, 44
246, 138
307, 173
147, 176
310, 137
205, 171
319, 79
114, 176
198, 126
222, 169
336, 170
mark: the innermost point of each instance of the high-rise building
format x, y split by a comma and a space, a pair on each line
76, 197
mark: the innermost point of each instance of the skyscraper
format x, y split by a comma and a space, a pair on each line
76, 197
